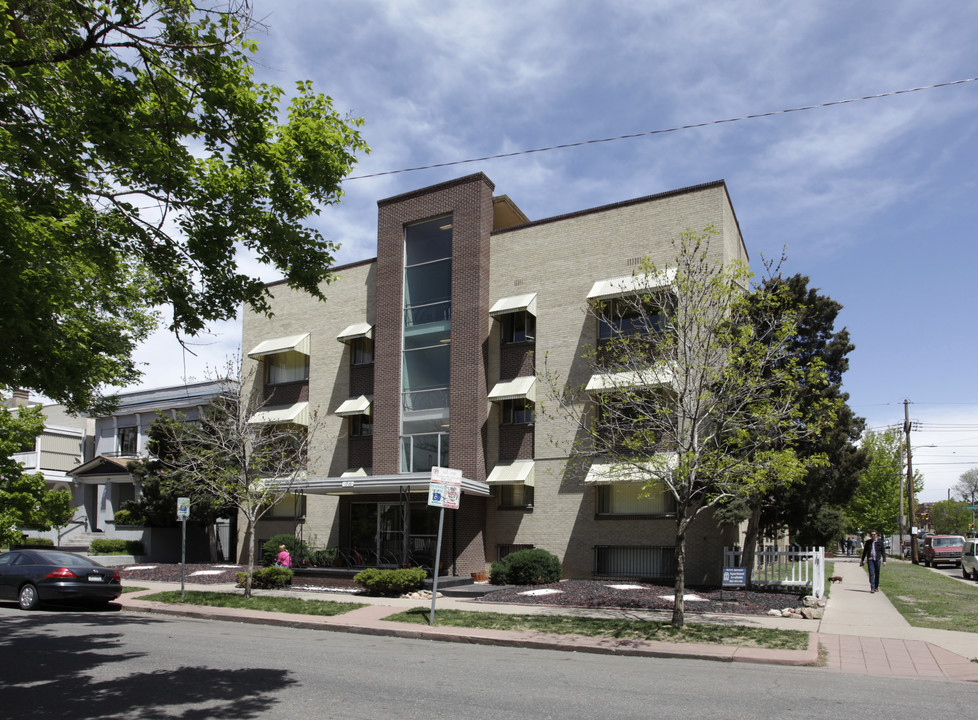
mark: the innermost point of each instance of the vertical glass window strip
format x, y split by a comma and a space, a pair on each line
426, 335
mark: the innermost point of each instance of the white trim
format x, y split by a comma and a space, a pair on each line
627, 379
356, 331
297, 414
515, 303
298, 343
521, 387
630, 285
518, 472
360, 405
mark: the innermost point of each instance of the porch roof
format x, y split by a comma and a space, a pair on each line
374, 484
102, 466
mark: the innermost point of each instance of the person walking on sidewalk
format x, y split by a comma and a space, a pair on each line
875, 552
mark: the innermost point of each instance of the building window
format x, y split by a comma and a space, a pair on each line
626, 317
630, 499
290, 506
426, 349
420, 453
362, 351
361, 426
515, 495
127, 440
286, 367
518, 327
518, 411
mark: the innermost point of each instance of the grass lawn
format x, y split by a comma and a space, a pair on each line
558, 624
928, 599
297, 606
601, 627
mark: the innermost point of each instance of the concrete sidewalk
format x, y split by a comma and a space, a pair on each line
863, 633
859, 633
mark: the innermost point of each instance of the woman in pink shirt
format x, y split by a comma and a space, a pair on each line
283, 559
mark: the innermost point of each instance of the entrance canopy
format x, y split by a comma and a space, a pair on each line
376, 484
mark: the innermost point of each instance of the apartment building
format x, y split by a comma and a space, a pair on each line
432, 354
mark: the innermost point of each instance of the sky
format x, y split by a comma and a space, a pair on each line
874, 201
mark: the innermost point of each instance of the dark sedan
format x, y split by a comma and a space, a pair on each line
34, 576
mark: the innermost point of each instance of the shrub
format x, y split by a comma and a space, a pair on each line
268, 578
44, 542
497, 573
324, 558
298, 550
533, 566
391, 583
116, 546
127, 517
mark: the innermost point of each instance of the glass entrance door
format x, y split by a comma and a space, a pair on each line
377, 533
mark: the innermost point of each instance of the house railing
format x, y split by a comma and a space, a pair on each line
791, 567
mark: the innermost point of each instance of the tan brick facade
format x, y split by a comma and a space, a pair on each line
559, 259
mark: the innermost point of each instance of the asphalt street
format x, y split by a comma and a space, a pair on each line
86, 665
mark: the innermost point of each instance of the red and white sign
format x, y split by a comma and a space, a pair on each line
445, 488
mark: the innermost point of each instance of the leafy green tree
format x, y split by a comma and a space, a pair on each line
949, 517
24, 501
966, 486
137, 156
812, 509
226, 459
696, 398
162, 482
876, 502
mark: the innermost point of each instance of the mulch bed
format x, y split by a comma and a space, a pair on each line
645, 596
572, 593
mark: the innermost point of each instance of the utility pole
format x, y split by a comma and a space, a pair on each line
915, 556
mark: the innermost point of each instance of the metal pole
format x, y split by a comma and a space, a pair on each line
914, 553
434, 582
183, 555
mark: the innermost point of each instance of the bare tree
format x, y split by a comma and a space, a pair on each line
688, 395
967, 486
241, 453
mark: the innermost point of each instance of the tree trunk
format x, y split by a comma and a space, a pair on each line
212, 542
248, 543
750, 542
679, 604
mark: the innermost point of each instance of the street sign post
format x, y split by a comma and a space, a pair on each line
183, 512
444, 491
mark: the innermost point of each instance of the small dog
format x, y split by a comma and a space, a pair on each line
835, 579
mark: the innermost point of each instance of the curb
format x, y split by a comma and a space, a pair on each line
500, 638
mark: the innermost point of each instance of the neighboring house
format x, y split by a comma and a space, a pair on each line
431, 354
102, 483
63, 444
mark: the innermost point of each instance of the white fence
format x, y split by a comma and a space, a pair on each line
792, 567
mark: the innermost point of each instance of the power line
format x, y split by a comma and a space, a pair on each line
663, 131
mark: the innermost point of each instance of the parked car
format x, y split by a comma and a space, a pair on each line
942, 549
34, 576
969, 558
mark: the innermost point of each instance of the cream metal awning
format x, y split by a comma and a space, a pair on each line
371, 484
297, 414
609, 473
355, 473
521, 387
298, 343
516, 303
645, 378
356, 331
630, 285
518, 472
360, 405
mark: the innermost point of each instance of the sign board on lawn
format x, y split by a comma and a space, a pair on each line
734, 577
